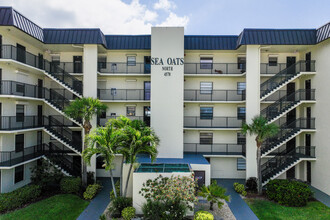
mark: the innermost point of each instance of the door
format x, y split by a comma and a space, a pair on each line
290, 89
0, 115
40, 88
200, 177
290, 145
290, 61
41, 61
291, 173
309, 172
147, 87
308, 142
21, 55
1, 81
290, 118
146, 115
308, 58
0, 46
308, 89
76, 138
147, 64
39, 140
40, 115
308, 117
77, 64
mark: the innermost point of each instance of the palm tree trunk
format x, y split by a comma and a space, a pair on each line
127, 180
121, 176
259, 169
87, 127
113, 184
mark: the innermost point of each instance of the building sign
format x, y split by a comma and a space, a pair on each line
167, 64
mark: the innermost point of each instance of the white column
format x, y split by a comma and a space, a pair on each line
167, 53
252, 104
90, 86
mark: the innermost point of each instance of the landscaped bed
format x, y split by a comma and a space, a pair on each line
265, 209
63, 206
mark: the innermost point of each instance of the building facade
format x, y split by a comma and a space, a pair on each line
195, 91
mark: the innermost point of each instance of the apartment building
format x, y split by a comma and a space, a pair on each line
195, 91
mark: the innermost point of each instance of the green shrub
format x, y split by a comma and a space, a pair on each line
128, 213
112, 194
70, 185
251, 184
102, 217
91, 191
19, 197
164, 210
118, 205
289, 192
239, 188
244, 193
153, 210
203, 215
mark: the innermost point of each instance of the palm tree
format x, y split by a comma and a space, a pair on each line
262, 130
139, 139
84, 109
214, 194
104, 141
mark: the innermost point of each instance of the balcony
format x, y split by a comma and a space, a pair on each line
21, 89
214, 68
20, 122
213, 122
123, 94
303, 151
123, 68
266, 68
11, 158
215, 149
71, 67
214, 95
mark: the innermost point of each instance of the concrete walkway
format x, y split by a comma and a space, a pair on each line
97, 206
237, 205
321, 196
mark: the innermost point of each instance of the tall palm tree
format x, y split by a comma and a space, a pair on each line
85, 109
139, 139
262, 130
104, 141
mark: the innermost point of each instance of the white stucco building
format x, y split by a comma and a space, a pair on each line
195, 91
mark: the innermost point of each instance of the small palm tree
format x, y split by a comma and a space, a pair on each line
214, 194
139, 139
262, 130
85, 109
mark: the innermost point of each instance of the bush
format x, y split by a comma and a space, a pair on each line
203, 215
239, 188
128, 213
159, 210
289, 192
251, 184
91, 191
70, 185
19, 197
244, 193
112, 194
90, 178
118, 205
153, 210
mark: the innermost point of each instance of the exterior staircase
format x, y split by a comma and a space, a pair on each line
285, 76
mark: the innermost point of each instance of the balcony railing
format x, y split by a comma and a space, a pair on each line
103, 121
21, 89
20, 122
71, 67
215, 148
11, 158
123, 94
214, 68
214, 95
307, 151
124, 68
266, 68
213, 122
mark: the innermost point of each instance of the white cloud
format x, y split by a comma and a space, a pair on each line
111, 16
165, 5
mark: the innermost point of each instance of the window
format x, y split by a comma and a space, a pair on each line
102, 62
19, 113
56, 59
206, 63
19, 142
241, 113
20, 88
19, 173
206, 138
272, 61
113, 91
241, 86
131, 61
130, 110
114, 67
241, 164
99, 162
241, 138
103, 114
241, 63
206, 87
206, 112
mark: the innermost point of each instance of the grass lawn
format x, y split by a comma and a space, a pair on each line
64, 206
269, 210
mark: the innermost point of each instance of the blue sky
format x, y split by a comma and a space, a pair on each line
220, 17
